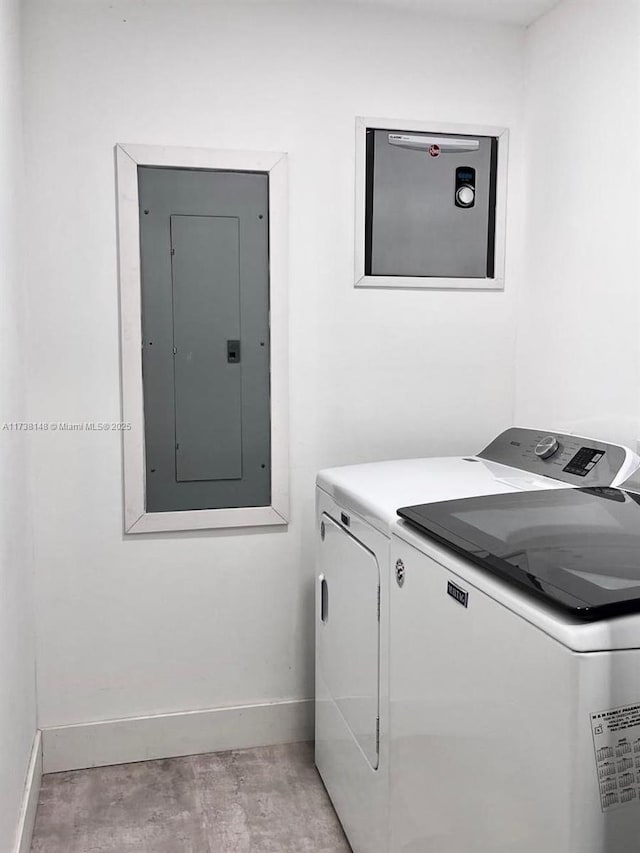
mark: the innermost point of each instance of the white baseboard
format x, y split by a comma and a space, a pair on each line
27, 817
170, 735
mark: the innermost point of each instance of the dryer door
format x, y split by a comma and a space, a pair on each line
348, 633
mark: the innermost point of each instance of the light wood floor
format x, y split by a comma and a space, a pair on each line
267, 800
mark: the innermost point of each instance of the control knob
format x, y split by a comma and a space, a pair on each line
465, 196
547, 447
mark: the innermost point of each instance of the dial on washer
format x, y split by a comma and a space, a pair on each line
547, 447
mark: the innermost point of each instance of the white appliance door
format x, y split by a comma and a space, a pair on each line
348, 633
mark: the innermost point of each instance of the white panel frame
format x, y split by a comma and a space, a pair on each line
421, 282
274, 164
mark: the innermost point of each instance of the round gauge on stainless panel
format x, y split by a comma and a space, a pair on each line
465, 195
547, 447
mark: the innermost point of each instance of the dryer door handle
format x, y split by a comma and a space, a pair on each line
324, 599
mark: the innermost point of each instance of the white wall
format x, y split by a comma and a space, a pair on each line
579, 329
170, 622
17, 672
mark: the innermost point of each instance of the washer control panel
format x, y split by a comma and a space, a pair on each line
570, 458
584, 461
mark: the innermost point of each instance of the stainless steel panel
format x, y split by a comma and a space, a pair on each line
415, 227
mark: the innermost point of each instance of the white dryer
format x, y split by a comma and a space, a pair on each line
356, 513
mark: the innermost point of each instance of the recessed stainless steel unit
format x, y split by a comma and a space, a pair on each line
430, 205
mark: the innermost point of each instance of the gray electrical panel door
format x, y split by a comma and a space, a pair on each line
430, 204
205, 330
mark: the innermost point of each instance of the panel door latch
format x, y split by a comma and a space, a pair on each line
233, 352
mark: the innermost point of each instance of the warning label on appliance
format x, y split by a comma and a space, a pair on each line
616, 744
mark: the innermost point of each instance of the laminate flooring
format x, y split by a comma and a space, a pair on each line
266, 800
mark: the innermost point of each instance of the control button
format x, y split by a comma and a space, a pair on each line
465, 196
547, 447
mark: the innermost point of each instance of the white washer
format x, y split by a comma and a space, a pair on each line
363, 748
521, 733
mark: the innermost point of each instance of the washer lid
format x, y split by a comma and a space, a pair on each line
578, 549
